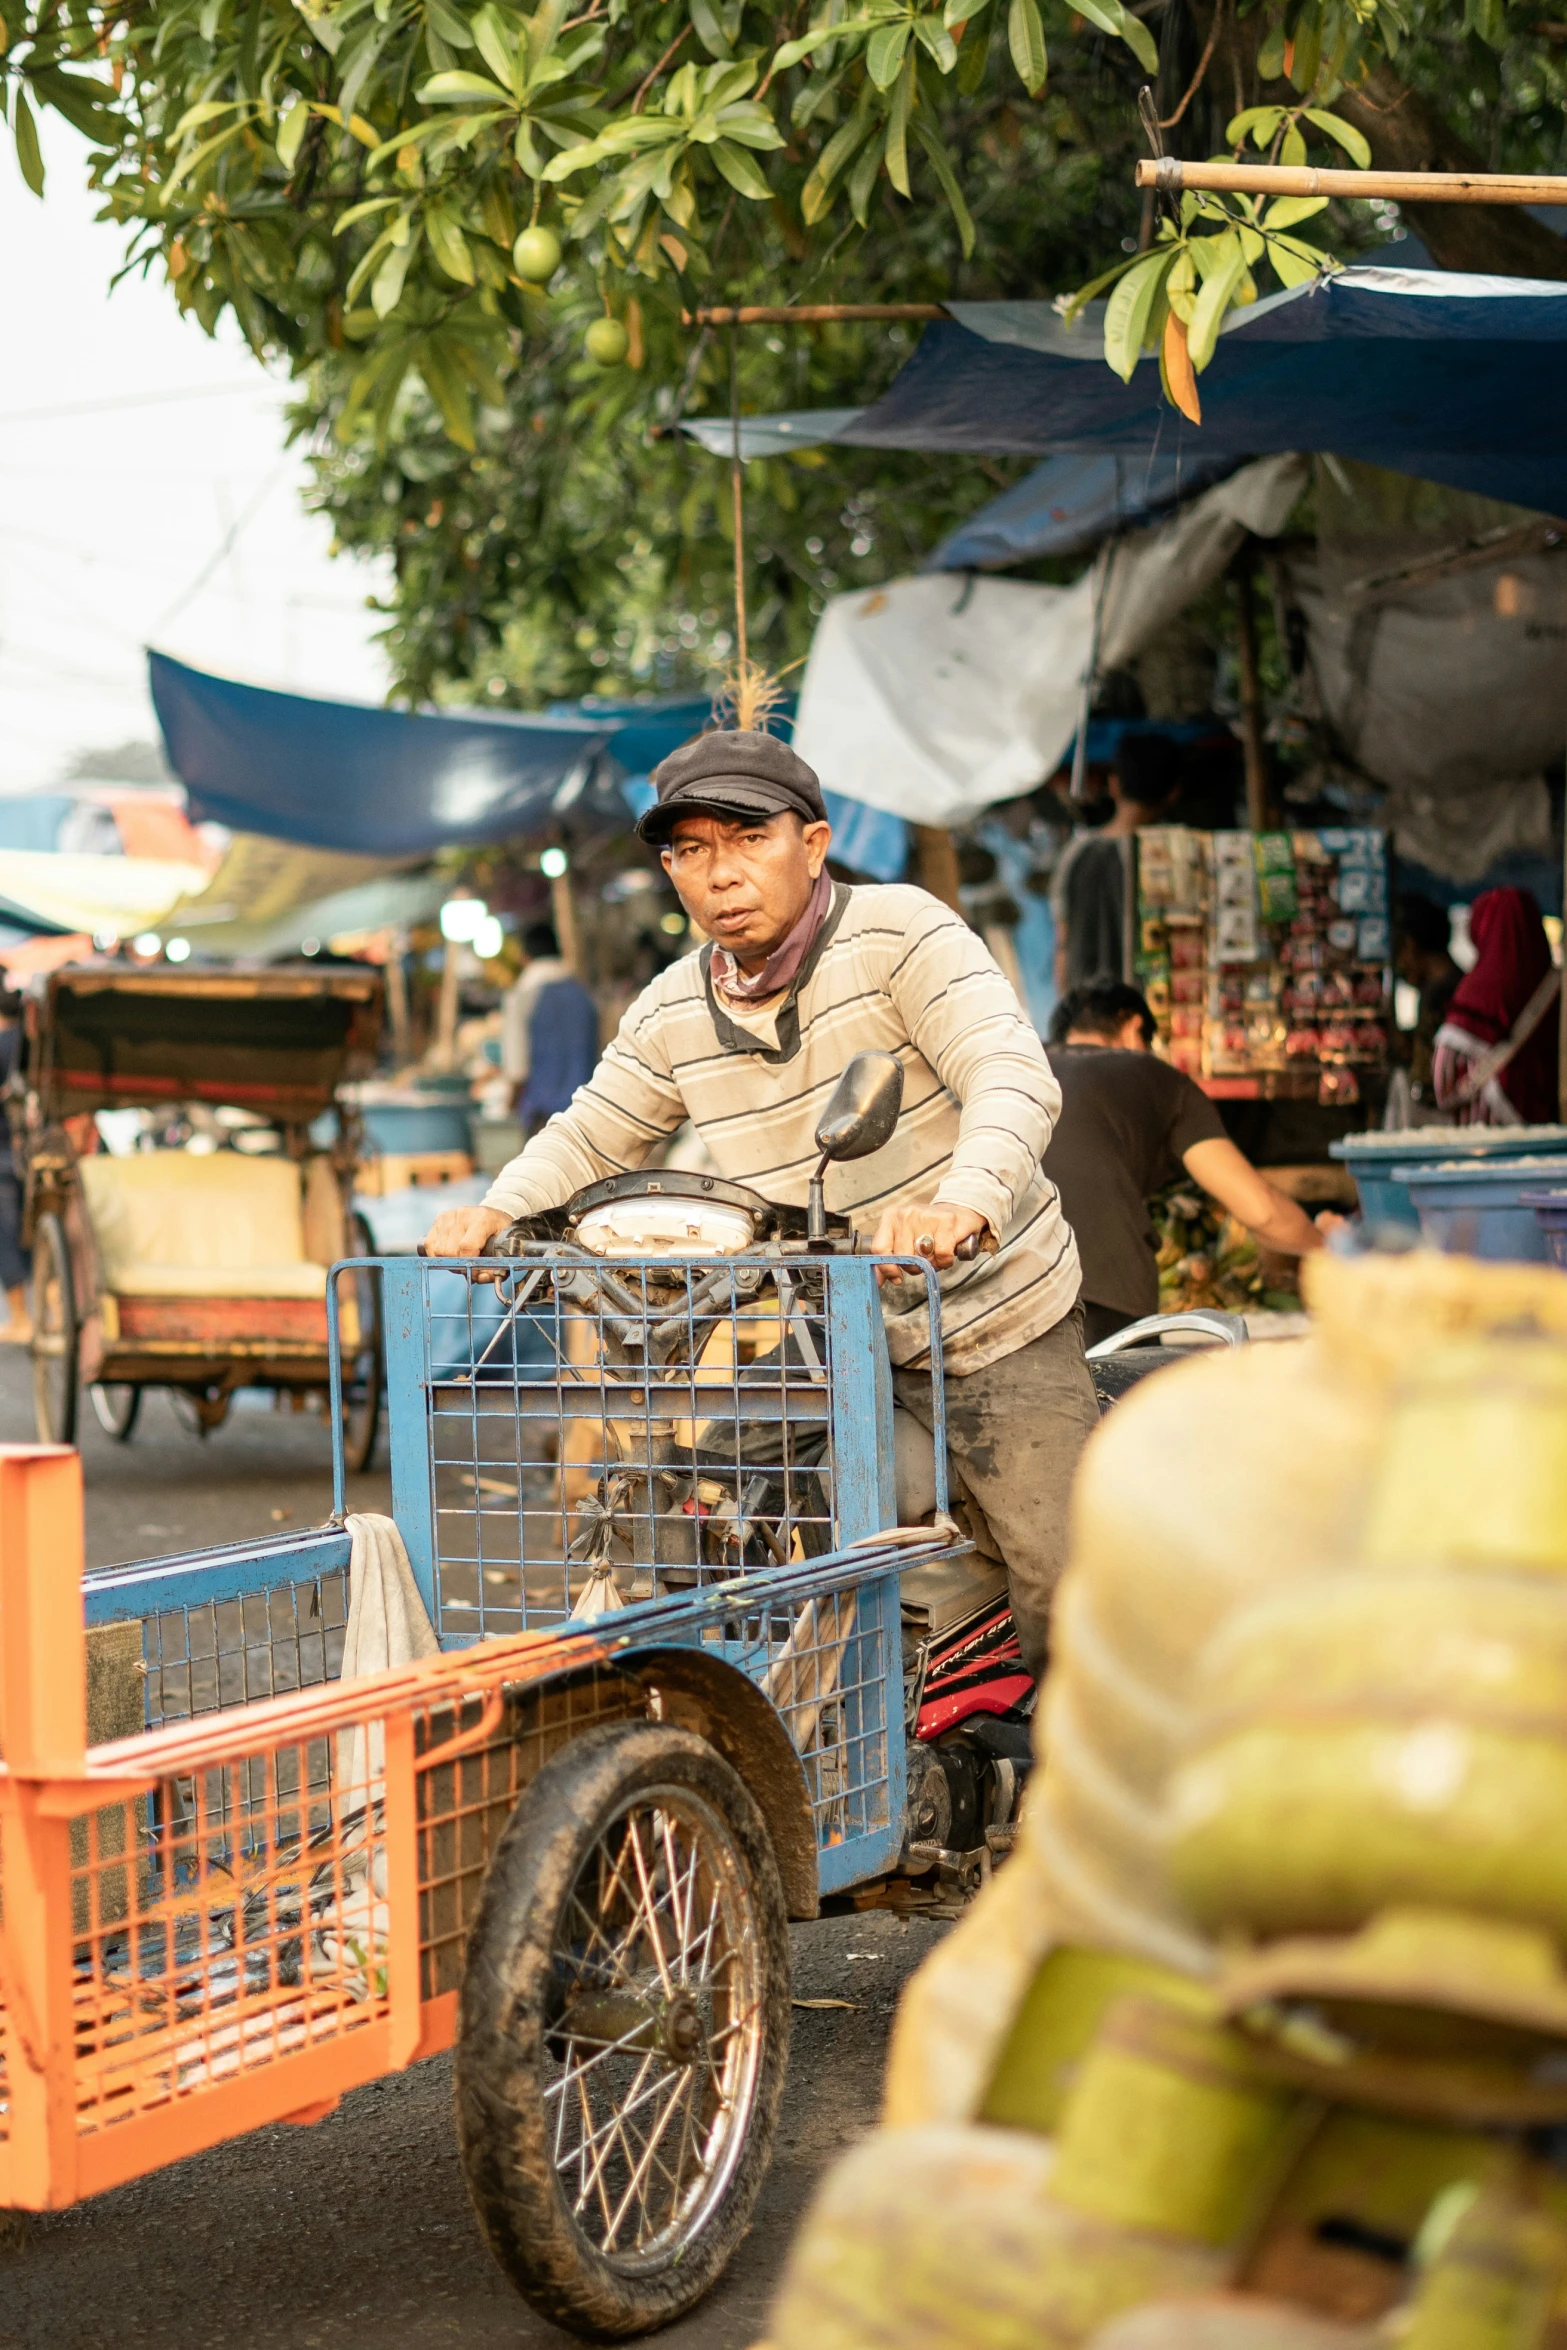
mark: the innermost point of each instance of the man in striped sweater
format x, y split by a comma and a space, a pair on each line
747, 1040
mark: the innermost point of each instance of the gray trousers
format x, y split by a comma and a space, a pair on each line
1014, 1434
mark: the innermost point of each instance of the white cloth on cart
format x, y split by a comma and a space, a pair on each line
387, 1625
387, 1621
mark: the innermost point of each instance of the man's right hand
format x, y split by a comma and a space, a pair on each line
462, 1232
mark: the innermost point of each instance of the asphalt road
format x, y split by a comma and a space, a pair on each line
359, 2228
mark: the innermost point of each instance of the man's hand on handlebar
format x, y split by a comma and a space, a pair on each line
462, 1232
926, 1230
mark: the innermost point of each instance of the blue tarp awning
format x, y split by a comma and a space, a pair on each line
394, 783
405, 783
1068, 504
1447, 376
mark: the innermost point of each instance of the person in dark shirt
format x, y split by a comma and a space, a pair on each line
1129, 1125
1088, 896
550, 1031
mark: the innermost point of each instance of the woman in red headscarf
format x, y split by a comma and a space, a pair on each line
1504, 1001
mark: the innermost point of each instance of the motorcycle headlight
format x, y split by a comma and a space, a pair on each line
664, 1227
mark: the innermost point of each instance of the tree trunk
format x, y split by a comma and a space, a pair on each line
1407, 134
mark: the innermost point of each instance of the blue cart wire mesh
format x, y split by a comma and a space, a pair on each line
569, 1433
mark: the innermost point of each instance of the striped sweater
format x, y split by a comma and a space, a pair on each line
891, 968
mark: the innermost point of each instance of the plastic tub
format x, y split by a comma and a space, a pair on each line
1550, 1209
1478, 1207
1379, 1162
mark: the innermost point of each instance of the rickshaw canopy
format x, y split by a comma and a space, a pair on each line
103, 1036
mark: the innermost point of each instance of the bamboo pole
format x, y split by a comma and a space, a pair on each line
1171, 177
445, 1048
936, 863
563, 912
1251, 700
397, 1000
820, 313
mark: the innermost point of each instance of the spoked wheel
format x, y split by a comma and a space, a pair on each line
362, 1363
625, 2029
54, 1334
118, 1409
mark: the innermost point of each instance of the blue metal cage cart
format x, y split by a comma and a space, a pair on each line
649, 1506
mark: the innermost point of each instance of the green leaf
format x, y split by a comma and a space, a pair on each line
85, 104
387, 290
941, 164
1285, 211
447, 390
895, 152
1257, 122
449, 246
194, 116
1225, 269
291, 134
816, 195
937, 43
740, 171
363, 212
958, 12
1306, 56
1293, 147
806, 46
1129, 309
1073, 310
1356, 147
709, 29
884, 54
28, 154
497, 48
861, 182
1295, 263
449, 24
1026, 40
449, 89
1111, 17
192, 163
973, 57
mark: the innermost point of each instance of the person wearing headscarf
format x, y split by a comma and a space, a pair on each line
1504, 1001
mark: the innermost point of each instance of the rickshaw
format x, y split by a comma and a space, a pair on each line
688, 1602
200, 1268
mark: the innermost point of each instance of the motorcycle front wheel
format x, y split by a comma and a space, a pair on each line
625, 2027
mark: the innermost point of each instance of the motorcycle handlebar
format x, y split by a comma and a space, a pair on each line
977, 1244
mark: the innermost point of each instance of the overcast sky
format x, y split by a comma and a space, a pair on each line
146, 496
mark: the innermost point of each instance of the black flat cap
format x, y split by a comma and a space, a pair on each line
731, 773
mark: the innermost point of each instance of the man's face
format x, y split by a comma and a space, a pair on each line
746, 881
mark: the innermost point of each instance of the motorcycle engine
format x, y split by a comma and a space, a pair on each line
971, 1781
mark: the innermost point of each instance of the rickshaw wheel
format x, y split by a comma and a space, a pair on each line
117, 1409
625, 2030
362, 1372
54, 1333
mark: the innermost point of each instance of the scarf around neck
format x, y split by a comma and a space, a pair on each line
783, 963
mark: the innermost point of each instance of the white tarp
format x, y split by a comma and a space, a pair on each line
1152, 575
935, 696
931, 697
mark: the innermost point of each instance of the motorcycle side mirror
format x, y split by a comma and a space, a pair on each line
859, 1118
863, 1109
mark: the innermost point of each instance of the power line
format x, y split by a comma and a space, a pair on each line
127, 400
222, 550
